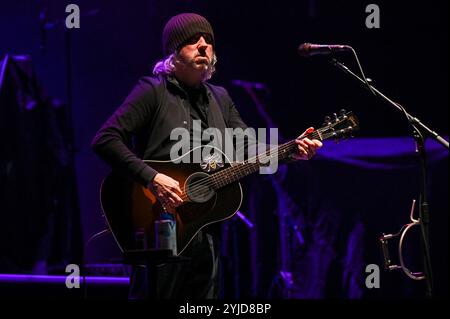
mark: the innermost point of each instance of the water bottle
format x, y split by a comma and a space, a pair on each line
166, 233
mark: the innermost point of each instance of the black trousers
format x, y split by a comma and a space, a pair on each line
198, 278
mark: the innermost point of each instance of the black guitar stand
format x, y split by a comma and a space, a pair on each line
151, 259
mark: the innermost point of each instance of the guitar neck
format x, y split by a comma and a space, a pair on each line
239, 170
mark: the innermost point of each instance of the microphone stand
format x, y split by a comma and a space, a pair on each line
420, 132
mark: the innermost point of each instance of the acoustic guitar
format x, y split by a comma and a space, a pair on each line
211, 191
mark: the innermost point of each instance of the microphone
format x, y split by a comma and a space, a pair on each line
309, 49
253, 85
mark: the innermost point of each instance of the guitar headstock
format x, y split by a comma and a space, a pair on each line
339, 126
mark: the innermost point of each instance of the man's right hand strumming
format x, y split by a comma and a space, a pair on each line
167, 190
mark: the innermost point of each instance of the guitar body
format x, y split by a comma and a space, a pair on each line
131, 209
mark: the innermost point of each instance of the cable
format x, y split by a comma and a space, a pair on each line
96, 235
362, 72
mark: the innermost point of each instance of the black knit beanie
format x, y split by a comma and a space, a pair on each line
181, 28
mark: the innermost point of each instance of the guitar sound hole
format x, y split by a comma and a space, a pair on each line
198, 189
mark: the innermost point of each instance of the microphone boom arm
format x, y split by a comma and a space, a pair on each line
413, 120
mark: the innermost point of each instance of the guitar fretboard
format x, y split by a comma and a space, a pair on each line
242, 169
342, 126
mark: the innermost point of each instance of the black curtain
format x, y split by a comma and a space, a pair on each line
40, 229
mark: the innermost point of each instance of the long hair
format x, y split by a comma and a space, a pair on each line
167, 66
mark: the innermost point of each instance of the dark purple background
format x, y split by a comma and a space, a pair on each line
256, 41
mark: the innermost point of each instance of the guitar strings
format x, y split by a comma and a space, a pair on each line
242, 168
197, 187
213, 179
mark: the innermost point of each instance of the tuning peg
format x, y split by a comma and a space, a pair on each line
351, 133
342, 113
335, 117
327, 120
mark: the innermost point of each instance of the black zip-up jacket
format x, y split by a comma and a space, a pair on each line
155, 107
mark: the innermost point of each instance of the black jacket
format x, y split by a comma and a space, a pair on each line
143, 123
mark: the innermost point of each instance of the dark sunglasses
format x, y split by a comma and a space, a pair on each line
194, 39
